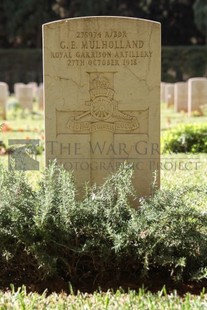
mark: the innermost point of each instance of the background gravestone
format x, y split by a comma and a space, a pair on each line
16, 88
24, 94
169, 94
40, 97
197, 95
4, 94
34, 87
181, 96
102, 97
162, 92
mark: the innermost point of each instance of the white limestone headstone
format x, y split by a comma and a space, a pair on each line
181, 97
35, 88
102, 97
169, 94
24, 95
197, 90
16, 87
162, 92
4, 94
40, 97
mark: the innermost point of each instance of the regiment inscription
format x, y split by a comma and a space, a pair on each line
96, 48
102, 93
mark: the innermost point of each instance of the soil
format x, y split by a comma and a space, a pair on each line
154, 284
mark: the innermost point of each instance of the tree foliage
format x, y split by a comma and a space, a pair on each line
200, 15
21, 21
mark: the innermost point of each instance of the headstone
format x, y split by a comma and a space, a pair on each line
162, 92
16, 88
169, 94
34, 87
4, 94
197, 89
24, 94
102, 97
40, 100
181, 97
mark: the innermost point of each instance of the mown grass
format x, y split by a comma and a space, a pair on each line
133, 300
170, 119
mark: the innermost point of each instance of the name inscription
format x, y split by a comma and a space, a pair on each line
111, 48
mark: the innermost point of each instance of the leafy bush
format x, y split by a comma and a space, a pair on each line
17, 211
77, 238
186, 138
49, 232
173, 233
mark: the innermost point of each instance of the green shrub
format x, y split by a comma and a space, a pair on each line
49, 232
186, 138
76, 238
17, 211
173, 234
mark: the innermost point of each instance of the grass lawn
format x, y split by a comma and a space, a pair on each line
110, 300
170, 119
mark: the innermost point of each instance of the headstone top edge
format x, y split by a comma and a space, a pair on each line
62, 21
181, 83
201, 78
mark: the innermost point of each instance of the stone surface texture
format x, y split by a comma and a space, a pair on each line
102, 97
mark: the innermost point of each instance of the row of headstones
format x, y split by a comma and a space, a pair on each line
24, 93
189, 96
